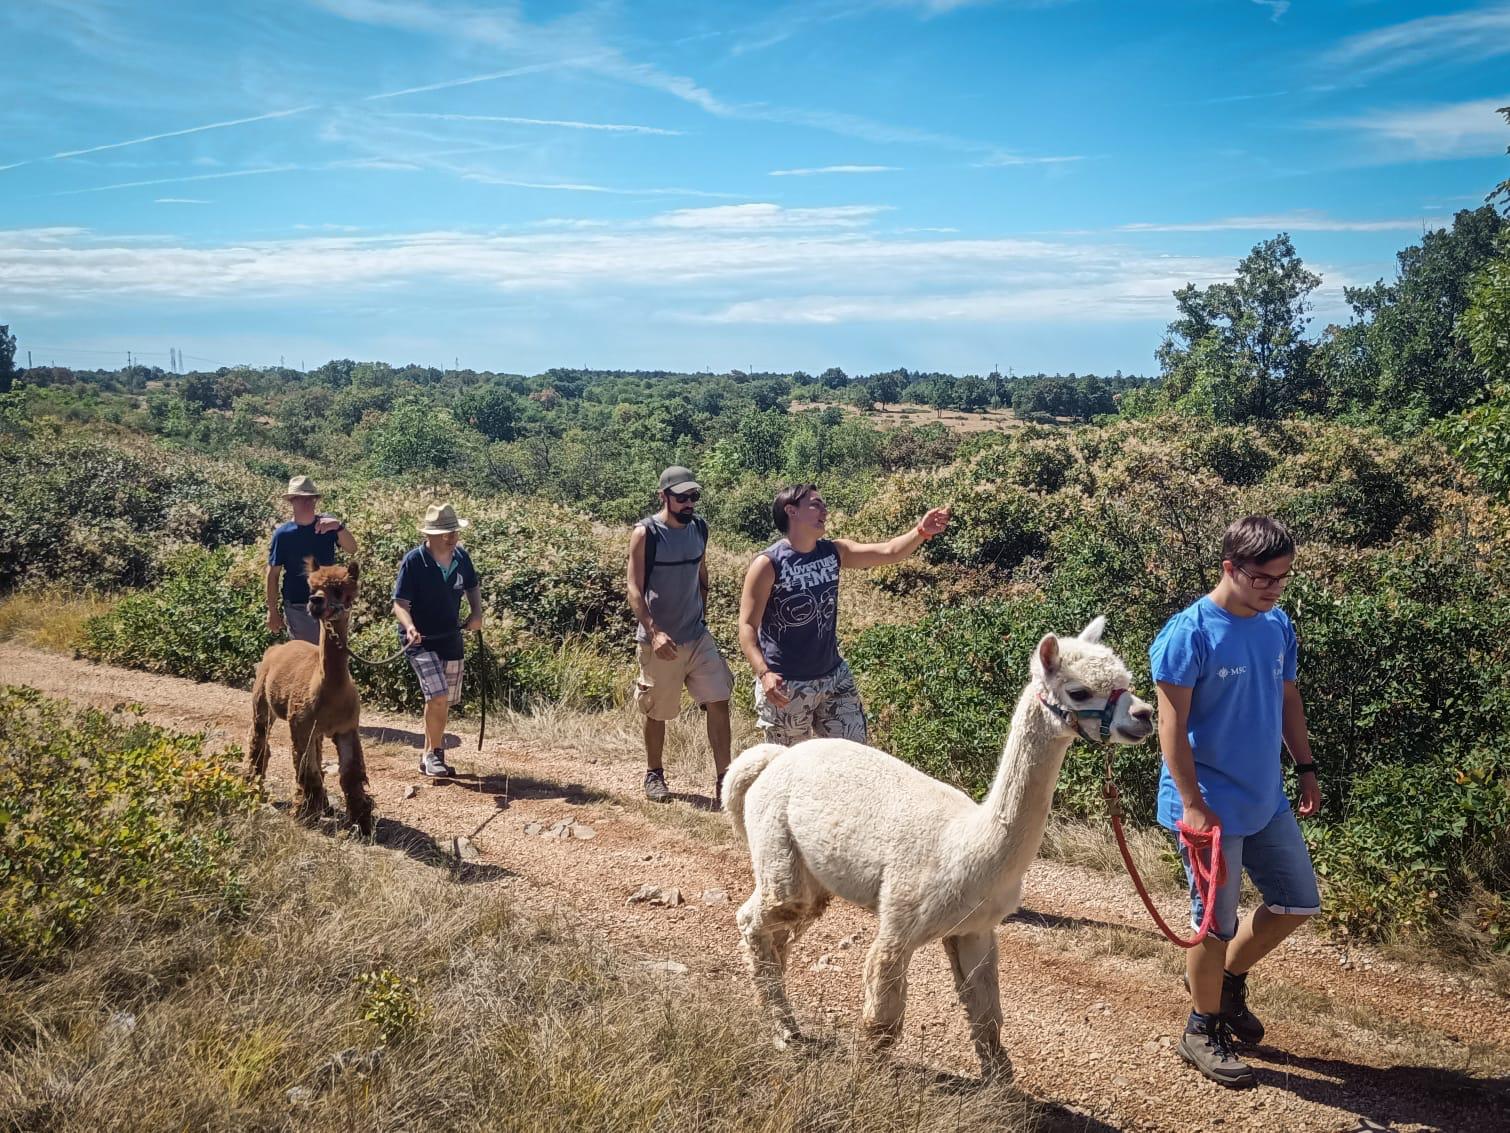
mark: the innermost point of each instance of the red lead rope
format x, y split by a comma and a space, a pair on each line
1210, 871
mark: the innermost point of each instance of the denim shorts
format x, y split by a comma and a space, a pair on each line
1279, 864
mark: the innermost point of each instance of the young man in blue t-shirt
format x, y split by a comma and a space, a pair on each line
1225, 672
307, 535
432, 579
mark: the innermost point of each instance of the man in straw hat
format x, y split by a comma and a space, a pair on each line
427, 603
307, 534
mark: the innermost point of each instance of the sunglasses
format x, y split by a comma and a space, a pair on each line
686, 497
1262, 581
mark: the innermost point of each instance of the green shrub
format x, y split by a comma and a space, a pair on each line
99, 810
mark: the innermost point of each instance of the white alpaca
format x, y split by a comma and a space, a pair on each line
830, 816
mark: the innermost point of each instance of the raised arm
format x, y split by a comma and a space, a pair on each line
853, 555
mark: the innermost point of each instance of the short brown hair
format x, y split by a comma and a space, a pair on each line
792, 495
1256, 539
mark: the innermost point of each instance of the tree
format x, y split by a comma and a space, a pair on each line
833, 378
492, 410
884, 388
416, 437
7, 359
1239, 348
1407, 350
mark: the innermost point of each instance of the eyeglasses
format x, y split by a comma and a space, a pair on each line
1262, 581
686, 497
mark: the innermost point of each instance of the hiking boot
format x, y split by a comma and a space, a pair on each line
1246, 1027
655, 786
433, 764
1210, 1052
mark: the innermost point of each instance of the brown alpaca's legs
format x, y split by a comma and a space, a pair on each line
256, 742
885, 991
973, 959
354, 780
307, 771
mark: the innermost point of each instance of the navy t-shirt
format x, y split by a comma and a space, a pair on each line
1236, 668
291, 543
434, 596
799, 630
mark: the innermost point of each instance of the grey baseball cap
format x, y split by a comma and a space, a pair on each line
679, 479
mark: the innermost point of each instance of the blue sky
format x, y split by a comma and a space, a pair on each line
690, 185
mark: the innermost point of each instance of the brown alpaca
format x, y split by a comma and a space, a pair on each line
310, 687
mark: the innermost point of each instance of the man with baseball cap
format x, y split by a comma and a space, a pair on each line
307, 534
667, 574
427, 603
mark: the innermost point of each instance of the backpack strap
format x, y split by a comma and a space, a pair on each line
652, 537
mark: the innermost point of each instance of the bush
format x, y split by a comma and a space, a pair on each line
98, 810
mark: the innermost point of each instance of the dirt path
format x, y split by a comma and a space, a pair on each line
1092, 1000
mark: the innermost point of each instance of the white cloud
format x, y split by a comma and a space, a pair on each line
178, 180
180, 201
769, 216
1285, 222
1457, 39
1004, 159
822, 169
611, 127
1457, 129
762, 268
1277, 8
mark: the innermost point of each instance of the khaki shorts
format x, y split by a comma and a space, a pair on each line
697, 665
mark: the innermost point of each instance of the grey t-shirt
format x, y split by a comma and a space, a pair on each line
672, 591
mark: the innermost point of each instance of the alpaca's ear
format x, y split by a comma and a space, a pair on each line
1046, 656
1092, 632
352, 570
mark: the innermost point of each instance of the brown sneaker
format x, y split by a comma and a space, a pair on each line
1211, 1053
655, 786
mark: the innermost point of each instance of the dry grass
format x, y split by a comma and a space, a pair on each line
893, 416
454, 1012
48, 621
1093, 845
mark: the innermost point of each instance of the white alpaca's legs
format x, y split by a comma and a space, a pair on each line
766, 938
973, 959
885, 990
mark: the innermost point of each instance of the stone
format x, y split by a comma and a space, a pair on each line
580, 831
533, 828
466, 851
824, 963
120, 1023
850, 941
299, 1095
655, 895
715, 897
410, 791
668, 967
328, 767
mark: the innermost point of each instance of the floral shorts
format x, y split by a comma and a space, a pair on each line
828, 706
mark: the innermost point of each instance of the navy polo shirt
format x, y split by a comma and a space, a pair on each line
291, 543
434, 598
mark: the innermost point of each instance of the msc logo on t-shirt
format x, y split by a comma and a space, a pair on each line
1235, 671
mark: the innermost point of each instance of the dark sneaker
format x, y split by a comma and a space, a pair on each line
655, 786
434, 765
1211, 1053
1245, 1025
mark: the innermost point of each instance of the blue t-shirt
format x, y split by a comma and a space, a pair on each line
434, 596
799, 630
291, 543
1236, 669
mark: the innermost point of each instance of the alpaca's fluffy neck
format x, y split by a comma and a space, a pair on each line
1011, 820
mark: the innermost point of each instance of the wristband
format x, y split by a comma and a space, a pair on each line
1302, 768
919, 530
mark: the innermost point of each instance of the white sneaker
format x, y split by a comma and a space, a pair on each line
433, 764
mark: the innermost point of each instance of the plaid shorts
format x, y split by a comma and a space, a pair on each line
437, 677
